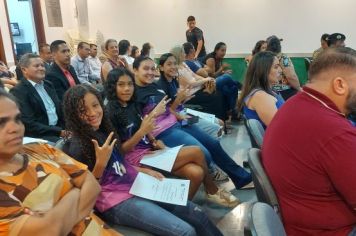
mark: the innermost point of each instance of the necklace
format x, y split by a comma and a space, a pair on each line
323, 103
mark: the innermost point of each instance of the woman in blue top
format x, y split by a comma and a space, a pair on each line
257, 100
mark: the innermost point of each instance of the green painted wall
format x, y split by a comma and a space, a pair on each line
239, 67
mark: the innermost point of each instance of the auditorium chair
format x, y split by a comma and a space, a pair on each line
263, 221
264, 190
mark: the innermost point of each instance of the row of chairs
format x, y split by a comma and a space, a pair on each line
265, 217
260, 218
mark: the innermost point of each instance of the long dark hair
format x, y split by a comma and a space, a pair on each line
217, 47
145, 51
258, 46
163, 82
117, 114
73, 105
257, 75
133, 51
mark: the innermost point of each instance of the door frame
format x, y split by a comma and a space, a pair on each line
38, 24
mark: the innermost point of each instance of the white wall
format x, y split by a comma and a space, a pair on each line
69, 20
239, 23
6, 35
21, 13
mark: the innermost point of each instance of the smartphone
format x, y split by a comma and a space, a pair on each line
285, 61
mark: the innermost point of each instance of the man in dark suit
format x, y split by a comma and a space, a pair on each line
46, 56
61, 74
40, 108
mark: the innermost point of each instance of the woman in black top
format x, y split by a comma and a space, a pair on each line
221, 72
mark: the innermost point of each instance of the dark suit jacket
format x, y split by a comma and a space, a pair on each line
59, 80
33, 110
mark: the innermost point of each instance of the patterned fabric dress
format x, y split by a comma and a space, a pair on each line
46, 176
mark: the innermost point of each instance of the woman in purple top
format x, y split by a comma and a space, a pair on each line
135, 132
95, 144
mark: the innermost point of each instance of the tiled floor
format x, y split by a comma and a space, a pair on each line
236, 145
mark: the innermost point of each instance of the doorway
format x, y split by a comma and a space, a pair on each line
26, 26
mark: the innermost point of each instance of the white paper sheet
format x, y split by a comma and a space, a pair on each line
27, 140
173, 191
162, 159
202, 115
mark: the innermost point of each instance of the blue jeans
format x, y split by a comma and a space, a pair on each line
161, 218
211, 148
175, 136
229, 88
208, 127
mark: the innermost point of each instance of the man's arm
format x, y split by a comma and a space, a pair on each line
199, 37
199, 47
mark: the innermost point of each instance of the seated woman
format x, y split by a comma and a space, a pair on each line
43, 191
258, 100
168, 83
204, 90
135, 52
113, 60
260, 46
224, 82
134, 131
289, 83
94, 143
7, 77
174, 133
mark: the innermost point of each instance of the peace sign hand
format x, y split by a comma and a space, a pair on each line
148, 123
161, 107
103, 153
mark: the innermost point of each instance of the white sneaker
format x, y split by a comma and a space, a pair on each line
223, 198
219, 175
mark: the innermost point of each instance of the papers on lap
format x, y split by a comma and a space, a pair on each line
173, 191
162, 159
202, 115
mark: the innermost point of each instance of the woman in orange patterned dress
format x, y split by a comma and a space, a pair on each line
42, 190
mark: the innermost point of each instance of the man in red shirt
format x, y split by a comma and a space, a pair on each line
61, 74
309, 150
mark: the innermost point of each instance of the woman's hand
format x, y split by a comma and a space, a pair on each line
158, 145
225, 65
161, 107
148, 124
103, 153
184, 95
152, 173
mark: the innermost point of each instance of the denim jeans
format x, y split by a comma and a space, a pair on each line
229, 88
162, 218
211, 148
175, 136
208, 127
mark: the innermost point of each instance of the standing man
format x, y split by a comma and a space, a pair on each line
94, 61
45, 55
309, 150
41, 111
195, 36
61, 74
